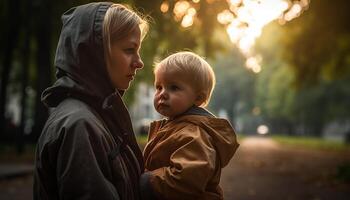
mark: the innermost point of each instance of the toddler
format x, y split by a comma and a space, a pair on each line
187, 150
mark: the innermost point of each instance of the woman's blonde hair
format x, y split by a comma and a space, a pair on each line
119, 21
200, 76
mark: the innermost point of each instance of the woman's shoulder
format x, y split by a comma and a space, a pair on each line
75, 108
71, 113
71, 119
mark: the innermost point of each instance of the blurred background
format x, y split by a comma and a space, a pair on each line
283, 81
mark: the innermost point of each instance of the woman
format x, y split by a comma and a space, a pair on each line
87, 149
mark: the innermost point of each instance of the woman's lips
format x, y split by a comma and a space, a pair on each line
131, 76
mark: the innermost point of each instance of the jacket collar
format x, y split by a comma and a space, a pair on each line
196, 110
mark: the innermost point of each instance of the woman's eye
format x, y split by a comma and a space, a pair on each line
129, 50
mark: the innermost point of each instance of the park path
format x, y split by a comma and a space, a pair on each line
265, 170
260, 170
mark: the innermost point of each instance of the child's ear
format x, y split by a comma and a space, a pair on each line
200, 99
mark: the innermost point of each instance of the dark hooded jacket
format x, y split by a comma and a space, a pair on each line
87, 148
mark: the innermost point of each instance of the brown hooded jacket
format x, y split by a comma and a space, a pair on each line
184, 156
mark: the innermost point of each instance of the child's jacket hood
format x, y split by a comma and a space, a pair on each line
220, 130
80, 63
222, 134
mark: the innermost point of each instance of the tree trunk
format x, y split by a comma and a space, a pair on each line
43, 38
12, 27
207, 28
25, 65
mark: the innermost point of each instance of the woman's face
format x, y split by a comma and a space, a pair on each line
125, 60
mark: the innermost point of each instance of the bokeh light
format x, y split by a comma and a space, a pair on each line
262, 129
164, 7
244, 20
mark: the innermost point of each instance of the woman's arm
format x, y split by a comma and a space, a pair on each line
80, 158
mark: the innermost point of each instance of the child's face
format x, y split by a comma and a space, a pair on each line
173, 94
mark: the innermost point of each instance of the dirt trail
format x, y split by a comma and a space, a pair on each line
263, 169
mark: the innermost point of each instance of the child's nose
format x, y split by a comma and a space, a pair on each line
163, 94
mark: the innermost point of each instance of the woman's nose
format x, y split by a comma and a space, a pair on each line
138, 63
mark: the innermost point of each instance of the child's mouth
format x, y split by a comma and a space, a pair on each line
163, 105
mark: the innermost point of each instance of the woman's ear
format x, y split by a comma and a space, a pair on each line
200, 99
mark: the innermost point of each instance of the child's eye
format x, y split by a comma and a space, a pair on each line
174, 88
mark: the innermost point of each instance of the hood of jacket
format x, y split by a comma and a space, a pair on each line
79, 60
220, 130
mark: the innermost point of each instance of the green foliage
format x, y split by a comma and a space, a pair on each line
234, 90
275, 78
311, 143
306, 69
317, 43
343, 172
142, 139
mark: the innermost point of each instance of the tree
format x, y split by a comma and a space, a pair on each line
317, 44
305, 70
234, 90
11, 33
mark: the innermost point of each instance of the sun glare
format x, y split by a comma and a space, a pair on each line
251, 17
244, 20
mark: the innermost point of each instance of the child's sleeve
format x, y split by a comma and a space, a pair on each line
191, 167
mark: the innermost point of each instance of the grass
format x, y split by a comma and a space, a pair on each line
343, 172
240, 136
312, 142
141, 140
9, 154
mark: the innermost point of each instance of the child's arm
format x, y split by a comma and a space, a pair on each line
191, 167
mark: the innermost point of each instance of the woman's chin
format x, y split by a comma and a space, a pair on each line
124, 87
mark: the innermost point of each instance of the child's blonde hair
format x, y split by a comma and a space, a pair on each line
200, 74
118, 22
